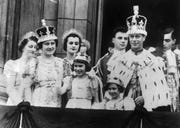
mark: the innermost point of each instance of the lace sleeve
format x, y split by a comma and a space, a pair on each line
10, 73
9, 69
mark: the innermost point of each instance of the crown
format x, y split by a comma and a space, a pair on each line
82, 57
136, 23
71, 31
45, 32
115, 80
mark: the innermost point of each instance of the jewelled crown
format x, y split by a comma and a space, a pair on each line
115, 80
82, 57
45, 32
136, 23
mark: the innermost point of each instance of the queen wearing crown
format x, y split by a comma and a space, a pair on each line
49, 70
150, 89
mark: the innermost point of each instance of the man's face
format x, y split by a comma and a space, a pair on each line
168, 42
120, 41
136, 41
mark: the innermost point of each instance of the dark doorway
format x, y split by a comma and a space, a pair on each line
159, 13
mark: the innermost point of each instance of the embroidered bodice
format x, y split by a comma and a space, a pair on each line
67, 65
47, 71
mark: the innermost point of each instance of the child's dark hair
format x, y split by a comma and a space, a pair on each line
87, 65
120, 85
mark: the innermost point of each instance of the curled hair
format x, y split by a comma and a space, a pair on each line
66, 40
30, 36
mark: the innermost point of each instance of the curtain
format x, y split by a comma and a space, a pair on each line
43, 117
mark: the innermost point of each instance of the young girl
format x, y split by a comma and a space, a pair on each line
116, 100
115, 89
83, 87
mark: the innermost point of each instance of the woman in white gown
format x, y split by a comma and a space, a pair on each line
20, 72
49, 70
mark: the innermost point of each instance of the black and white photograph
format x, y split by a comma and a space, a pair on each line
89, 64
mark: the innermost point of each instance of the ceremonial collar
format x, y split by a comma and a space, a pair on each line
136, 52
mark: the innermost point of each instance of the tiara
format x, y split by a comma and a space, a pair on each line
71, 31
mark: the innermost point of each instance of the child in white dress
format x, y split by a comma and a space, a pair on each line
83, 87
114, 98
115, 89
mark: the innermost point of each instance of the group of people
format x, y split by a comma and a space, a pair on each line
41, 78
149, 76
120, 80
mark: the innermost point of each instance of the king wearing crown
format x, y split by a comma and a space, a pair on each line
148, 88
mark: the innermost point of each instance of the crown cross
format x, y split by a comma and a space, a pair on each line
136, 10
134, 22
43, 21
141, 24
41, 33
48, 32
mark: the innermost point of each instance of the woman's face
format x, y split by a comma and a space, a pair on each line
49, 47
30, 48
113, 91
80, 69
73, 44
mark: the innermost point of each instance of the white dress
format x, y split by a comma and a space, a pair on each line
18, 86
119, 103
83, 90
48, 78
